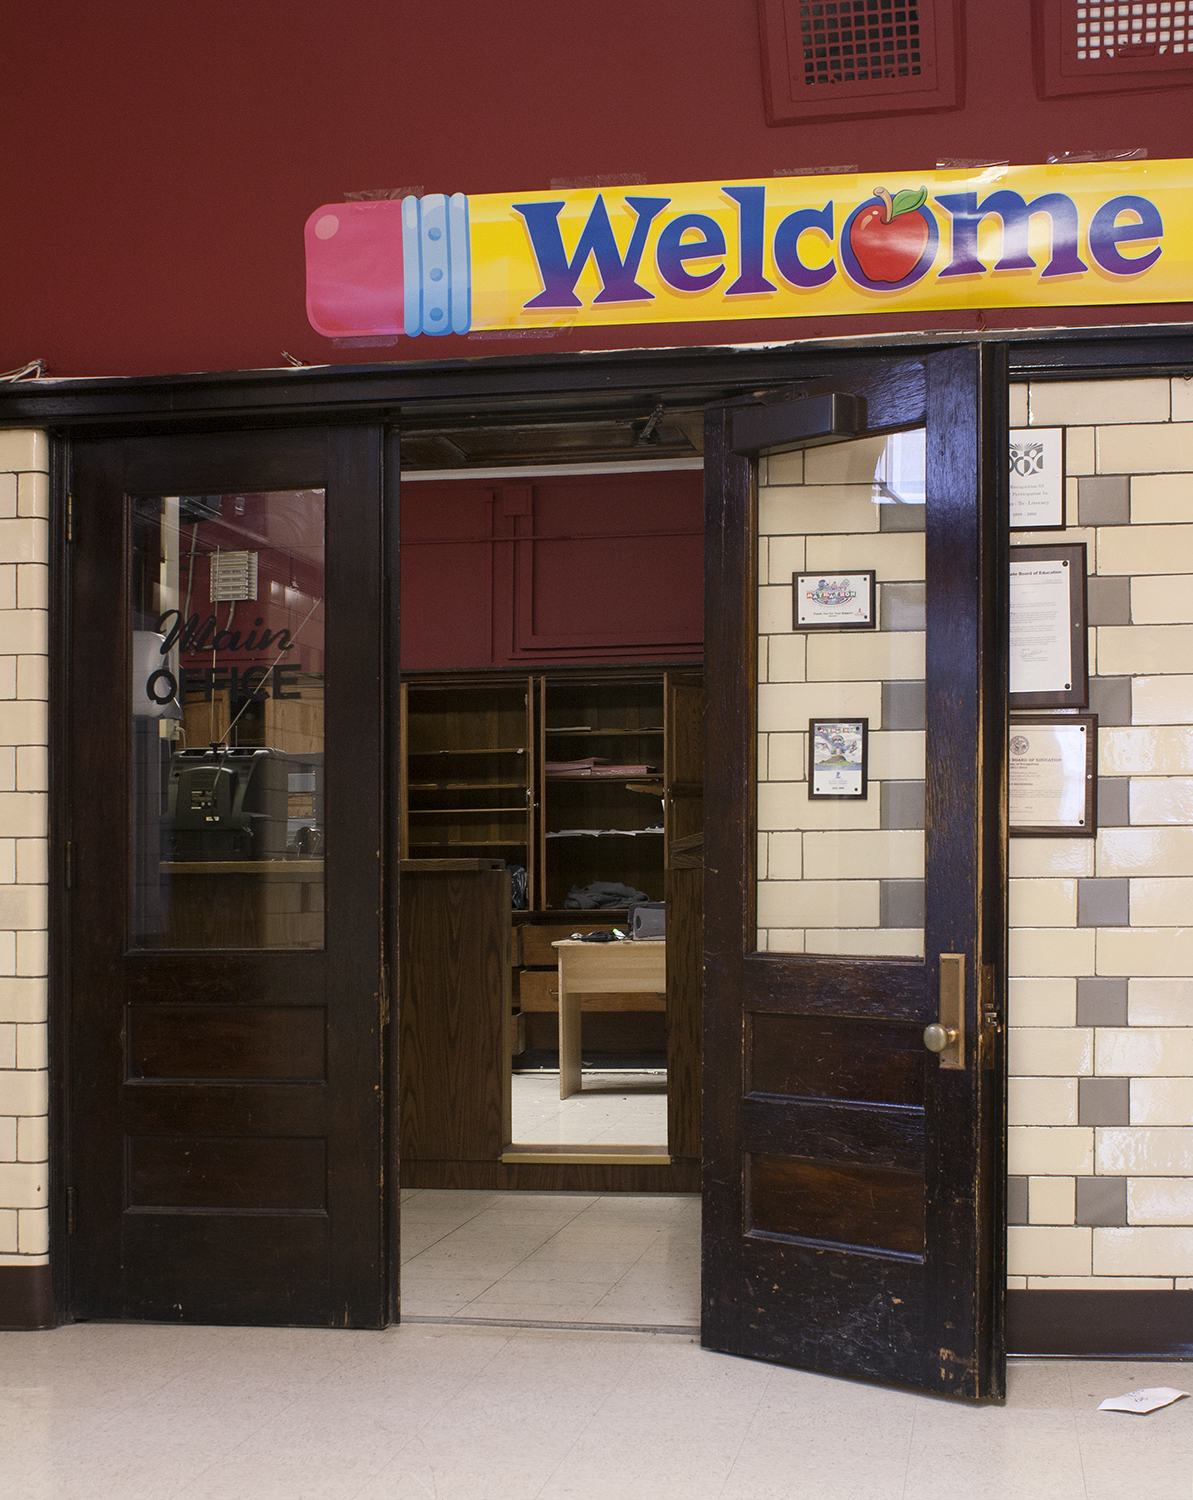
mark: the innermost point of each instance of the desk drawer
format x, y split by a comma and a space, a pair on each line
538, 990
536, 941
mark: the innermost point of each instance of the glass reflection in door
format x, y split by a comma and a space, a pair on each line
227, 788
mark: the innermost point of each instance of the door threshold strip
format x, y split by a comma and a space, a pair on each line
462, 1322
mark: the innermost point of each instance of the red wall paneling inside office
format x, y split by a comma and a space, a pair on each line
591, 567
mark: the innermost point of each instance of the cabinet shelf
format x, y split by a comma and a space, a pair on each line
448, 812
605, 733
606, 780
467, 843
465, 786
488, 750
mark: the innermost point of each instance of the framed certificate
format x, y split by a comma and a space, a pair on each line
1037, 478
1052, 776
838, 759
834, 601
1048, 665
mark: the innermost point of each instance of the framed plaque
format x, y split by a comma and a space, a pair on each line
834, 601
1052, 775
1048, 658
838, 759
1037, 478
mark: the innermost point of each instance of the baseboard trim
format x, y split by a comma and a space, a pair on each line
1140, 1324
26, 1298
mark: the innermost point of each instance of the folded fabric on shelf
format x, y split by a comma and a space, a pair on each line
602, 893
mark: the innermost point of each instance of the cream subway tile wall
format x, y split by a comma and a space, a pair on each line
1101, 993
24, 1079
840, 877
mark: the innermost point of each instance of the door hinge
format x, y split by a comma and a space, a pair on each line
72, 1205
70, 517
68, 865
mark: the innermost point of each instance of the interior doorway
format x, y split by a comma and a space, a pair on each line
551, 788
819, 1100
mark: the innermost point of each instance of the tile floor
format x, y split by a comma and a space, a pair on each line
616, 1258
143, 1412
625, 1109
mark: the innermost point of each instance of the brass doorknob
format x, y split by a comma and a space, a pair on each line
937, 1038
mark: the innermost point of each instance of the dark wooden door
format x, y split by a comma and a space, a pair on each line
853, 1183
224, 922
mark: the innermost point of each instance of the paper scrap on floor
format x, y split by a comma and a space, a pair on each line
1150, 1398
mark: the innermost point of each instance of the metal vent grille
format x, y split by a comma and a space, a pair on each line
1134, 32
849, 59
860, 41
1121, 46
233, 576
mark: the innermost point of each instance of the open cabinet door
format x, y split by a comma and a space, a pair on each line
853, 1178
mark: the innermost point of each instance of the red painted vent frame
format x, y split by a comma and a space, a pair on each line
844, 59
1072, 55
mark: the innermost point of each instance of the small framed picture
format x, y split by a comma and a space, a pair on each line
1052, 776
1037, 478
838, 759
834, 601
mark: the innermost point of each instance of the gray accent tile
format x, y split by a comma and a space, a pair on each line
1016, 1200
1103, 903
903, 605
1101, 1002
903, 705
901, 517
902, 804
1113, 800
1109, 601
1102, 1200
1110, 699
1103, 1101
900, 903
1104, 500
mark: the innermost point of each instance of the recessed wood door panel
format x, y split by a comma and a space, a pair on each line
226, 1035
852, 1216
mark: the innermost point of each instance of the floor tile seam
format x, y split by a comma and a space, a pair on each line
472, 1302
904, 1493
633, 1265
273, 1416
464, 1384
563, 1457
566, 1326
1085, 1489
745, 1437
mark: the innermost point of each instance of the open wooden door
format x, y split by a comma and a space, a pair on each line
853, 1179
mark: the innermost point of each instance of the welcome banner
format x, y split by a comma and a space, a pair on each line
788, 247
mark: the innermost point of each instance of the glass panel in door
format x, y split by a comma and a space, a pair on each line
227, 658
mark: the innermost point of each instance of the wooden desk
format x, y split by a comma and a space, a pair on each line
600, 968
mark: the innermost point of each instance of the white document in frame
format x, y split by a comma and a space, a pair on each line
1046, 780
1041, 645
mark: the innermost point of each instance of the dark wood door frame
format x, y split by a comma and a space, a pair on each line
382, 393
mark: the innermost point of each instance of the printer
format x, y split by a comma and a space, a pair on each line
227, 804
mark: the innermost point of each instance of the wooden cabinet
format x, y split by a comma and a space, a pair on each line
601, 822
478, 780
467, 770
492, 771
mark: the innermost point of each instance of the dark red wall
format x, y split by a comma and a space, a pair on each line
160, 159
603, 567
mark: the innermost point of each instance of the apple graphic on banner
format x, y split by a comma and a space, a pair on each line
888, 238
